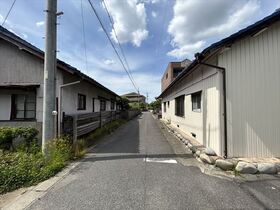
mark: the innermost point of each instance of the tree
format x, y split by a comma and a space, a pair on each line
124, 103
155, 105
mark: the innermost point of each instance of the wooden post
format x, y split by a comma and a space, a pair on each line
75, 117
100, 119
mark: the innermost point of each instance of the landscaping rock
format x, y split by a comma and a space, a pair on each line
209, 151
224, 164
233, 161
198, 153
278, 167
267, 168
207, 159
216, 157
193, 149
246, 168
186, 142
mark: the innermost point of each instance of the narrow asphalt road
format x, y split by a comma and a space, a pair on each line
135, 168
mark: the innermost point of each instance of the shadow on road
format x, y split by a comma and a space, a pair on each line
124, 140
135, 156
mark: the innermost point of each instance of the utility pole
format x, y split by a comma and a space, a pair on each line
49, 96
138, 99
147, 103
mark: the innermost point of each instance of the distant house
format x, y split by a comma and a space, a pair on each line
228, 98
172, 71
135, 97
21, 85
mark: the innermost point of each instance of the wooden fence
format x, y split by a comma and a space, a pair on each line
81, 124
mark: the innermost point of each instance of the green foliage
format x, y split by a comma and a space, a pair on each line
155, 105
124, 102
8, 134
19, 169
133, 106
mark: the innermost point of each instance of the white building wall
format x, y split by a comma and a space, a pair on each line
253, 95
205, 124
70, 96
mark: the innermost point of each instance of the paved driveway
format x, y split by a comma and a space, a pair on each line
135, 168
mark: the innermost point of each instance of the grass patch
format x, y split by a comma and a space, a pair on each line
105, 130
22, 169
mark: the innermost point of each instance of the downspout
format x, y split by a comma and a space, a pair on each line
223, 71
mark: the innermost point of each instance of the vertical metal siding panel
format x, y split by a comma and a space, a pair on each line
253, 73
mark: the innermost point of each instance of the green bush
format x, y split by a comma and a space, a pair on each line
8, 134
19, 169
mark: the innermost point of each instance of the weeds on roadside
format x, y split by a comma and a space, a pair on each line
21, 168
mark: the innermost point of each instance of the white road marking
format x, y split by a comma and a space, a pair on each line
157, 160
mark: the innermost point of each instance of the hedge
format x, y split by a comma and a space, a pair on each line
9, 134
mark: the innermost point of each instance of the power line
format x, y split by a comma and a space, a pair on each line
4, 21
115, 33
84, 35
105, 31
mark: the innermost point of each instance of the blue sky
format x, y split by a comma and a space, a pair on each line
152, 33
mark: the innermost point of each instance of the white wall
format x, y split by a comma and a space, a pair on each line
253, 94
205, 124
70, 96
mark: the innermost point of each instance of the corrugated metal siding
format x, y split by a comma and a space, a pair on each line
205, 124
253, 95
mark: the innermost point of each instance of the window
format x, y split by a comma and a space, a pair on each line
81, 102
112, 105
23, 106
177, 71
102, 105
196, 102
164, 106
168, 104
93, 110
166, 76
179, 106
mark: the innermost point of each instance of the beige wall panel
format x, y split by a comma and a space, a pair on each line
205, 124
253, 95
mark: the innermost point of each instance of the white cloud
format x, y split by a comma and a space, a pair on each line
195, 21
129, 20
186, 50
151, 1
154, 14
108, 61
40, 23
